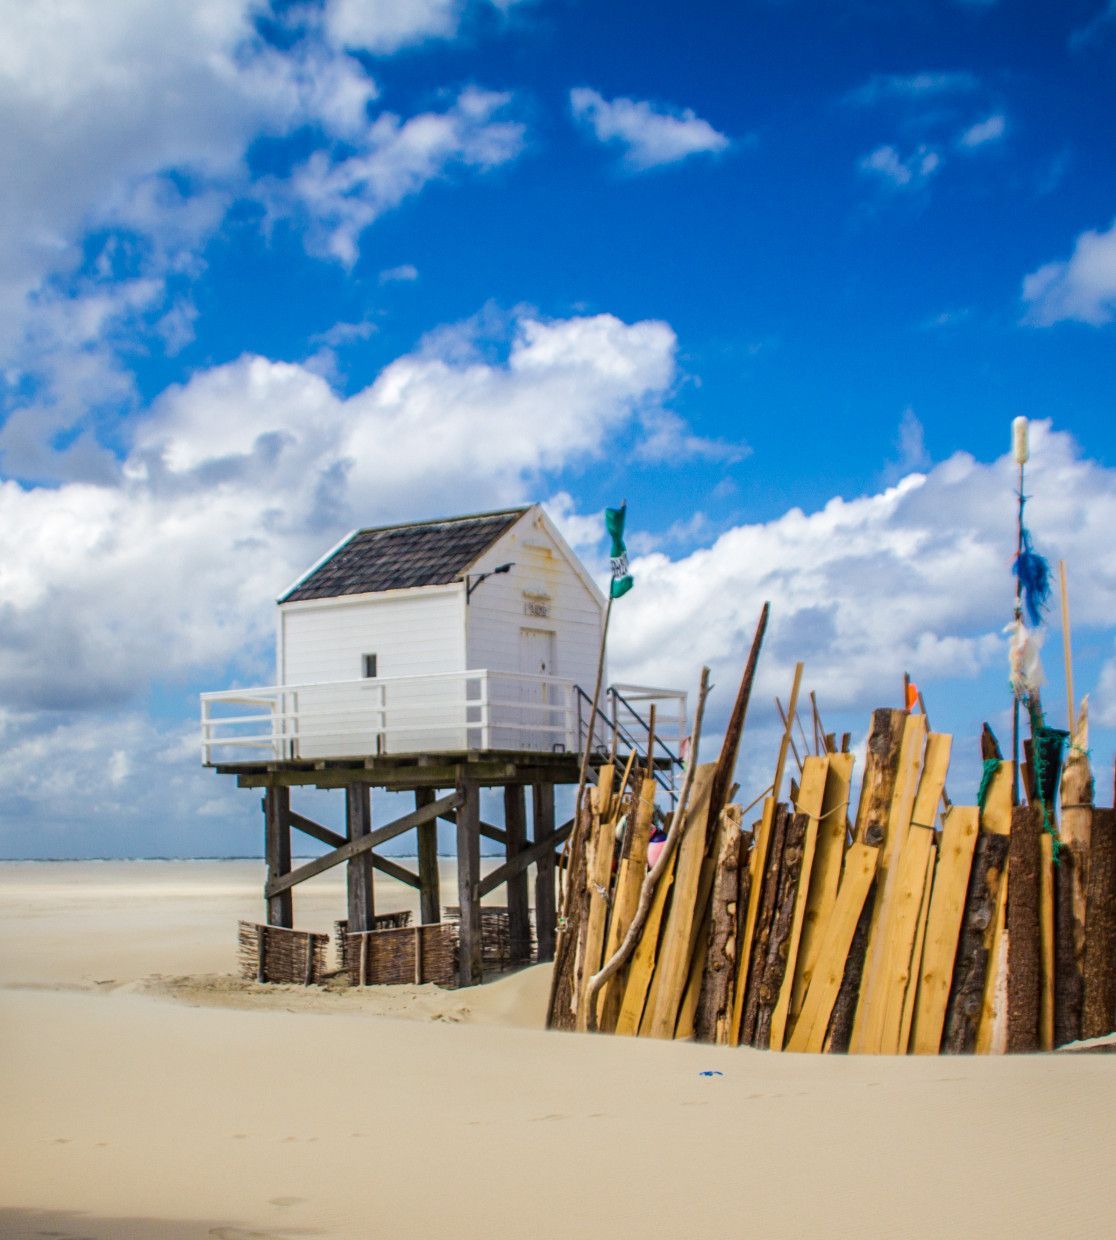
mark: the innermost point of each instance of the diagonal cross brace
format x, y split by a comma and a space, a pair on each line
353, 848
523, 859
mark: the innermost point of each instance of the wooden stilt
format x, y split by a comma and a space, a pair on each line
277, 808
358, 869
542, 808
470, 969
430, 900
519, 917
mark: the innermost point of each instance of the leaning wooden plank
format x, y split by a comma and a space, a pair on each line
1100, 928
674, 950
757, 866
916, 956
837, 936
764, 921
947, 908
598, 871
1024, 930
782, 924
991, 1037
629, 880
816, 901
1046, 926
839, 1034
699, 946
868, 1023
931, 785
901, 930
714, 1014
966, 996
1077, 794
781, 1013
642, 964
995, 816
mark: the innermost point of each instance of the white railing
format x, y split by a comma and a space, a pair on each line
405, 714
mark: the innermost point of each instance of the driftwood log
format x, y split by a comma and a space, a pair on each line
714, 1010
970, 967
778, 943
880, 768
1024, 952
1068, 982
839, 1034
769, 893
1099, 1003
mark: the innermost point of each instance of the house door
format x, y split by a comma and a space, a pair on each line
536, 659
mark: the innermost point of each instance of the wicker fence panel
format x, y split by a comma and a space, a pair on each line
498, 951
411, 954
275, 954
382, 921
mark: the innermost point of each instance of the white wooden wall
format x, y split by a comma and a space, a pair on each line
411, 632
543, 579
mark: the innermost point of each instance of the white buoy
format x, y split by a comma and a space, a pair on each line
1019, 446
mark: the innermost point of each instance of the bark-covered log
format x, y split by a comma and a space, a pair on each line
769, 892
880, 768
1068, 986
1024, 958
1099, 1006
775, 962
966, 996
719, 977
839, 1034
564, 984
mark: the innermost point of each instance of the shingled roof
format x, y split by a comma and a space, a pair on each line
400, 557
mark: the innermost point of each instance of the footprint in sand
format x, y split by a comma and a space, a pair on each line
283, 1202
539, 1118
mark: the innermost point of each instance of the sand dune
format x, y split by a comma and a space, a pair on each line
188, 1104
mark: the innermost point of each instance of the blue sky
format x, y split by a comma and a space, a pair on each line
781, 273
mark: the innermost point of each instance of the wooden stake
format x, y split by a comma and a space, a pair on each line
1067, 651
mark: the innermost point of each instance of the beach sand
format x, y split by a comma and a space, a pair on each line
146, 1093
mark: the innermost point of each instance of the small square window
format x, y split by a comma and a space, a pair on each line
368, 661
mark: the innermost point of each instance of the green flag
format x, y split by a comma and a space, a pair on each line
621, 577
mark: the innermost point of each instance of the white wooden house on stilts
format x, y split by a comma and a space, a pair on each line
436, 658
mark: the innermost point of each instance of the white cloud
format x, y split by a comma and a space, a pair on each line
337, 198
237, 479
910, 443
913, 578
651, 135
886, 163
406, 273
989, 130
387, 25
1083, 287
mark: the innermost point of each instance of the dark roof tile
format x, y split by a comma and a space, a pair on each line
400, 557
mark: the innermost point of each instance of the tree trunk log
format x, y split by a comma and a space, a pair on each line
1068, 985
769, 890
1099, 1003
1024, 971
715, 1002
966, 998
775, 961
839, 1035
880, 768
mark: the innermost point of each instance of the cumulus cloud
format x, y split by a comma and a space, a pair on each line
405, 273
337, 197
650, 135
237, 479
1082, 287
388, 25
913, 578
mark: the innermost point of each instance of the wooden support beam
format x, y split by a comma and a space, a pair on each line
315, 830
402, 875
524, 859
277, 809
358, 875
519, 917
430, 899
351, 849
542, 827
469, 968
